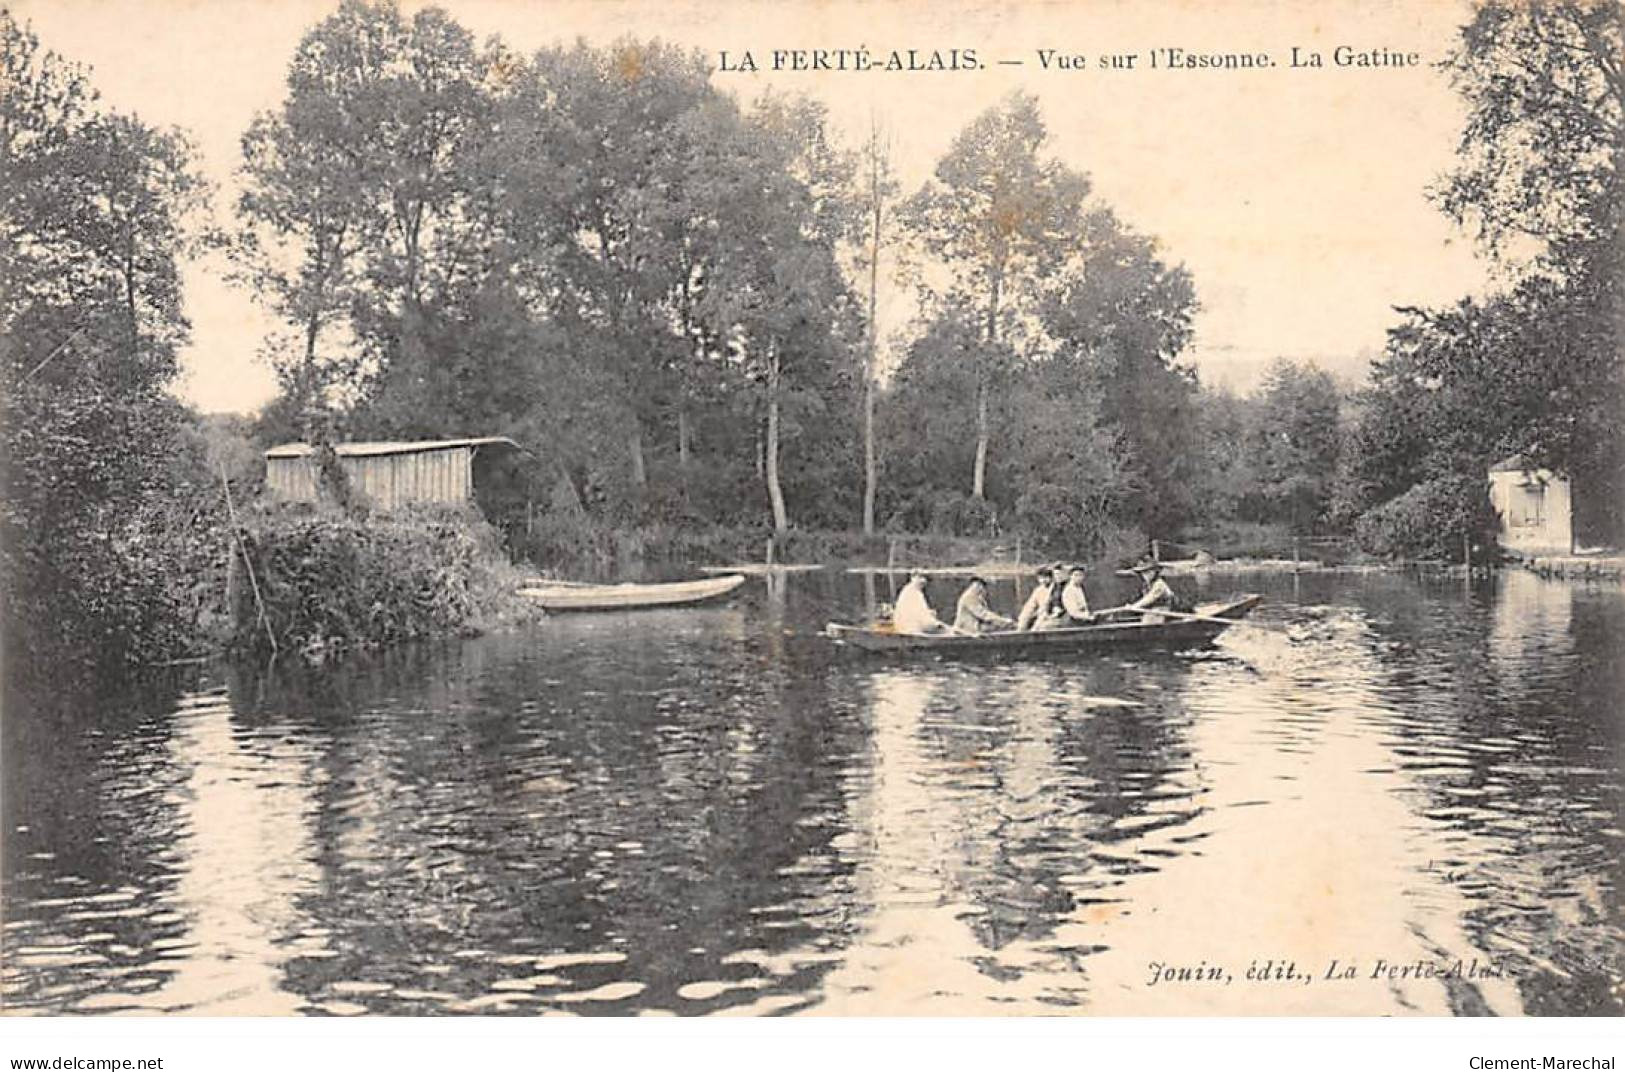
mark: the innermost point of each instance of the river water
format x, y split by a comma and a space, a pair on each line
1397, 795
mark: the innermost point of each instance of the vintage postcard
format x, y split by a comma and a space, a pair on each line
850, 509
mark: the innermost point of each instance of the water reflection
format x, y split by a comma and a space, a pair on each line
709, 811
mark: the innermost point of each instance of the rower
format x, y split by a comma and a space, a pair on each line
1155, 592
912, 612
973, 615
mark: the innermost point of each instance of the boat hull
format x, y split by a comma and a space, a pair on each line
609, 597
1167, 635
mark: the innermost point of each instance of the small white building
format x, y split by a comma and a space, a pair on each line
388, 474
1536, 507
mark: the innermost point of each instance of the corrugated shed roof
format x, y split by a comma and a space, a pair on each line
1517, 463
374, 449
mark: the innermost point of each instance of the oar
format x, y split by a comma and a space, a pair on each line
1213, 618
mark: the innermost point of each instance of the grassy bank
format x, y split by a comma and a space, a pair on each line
324, 582
1258, 541
1578, 567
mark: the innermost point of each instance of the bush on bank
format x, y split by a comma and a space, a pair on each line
112, 534
1430, 520
325, 581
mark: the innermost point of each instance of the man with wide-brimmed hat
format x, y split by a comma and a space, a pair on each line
1155, 592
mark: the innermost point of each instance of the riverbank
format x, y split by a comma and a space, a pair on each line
1578, 567
587, 551
321, 582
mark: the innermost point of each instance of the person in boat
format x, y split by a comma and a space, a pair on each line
1041, 605
1068, 606
1156, 594
912, 612
1074, 601
973, 616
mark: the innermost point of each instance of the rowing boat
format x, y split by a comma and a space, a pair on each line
1209, 621
566, 596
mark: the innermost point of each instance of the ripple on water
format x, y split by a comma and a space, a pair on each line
607, 992
707, 989
554, 961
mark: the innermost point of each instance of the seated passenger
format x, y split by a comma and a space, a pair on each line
912, 614
1074, 602
974, 615
1036, 609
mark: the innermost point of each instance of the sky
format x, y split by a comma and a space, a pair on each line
1296, 197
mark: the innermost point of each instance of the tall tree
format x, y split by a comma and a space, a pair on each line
927, 433
779, 292
1542, 147
1295, 443
1541, 181
996, 217
96, 211
301, 216
431, 257
621, 204
1117, 310
366, 215
876, 190
1226, 484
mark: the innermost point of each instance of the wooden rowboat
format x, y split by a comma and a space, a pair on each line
1163, 635
567, 596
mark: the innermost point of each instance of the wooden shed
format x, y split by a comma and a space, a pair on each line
389, 474
1536, 507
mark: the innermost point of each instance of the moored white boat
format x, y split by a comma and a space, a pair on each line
554, 595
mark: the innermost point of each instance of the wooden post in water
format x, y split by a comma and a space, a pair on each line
770, 554
1156, 550
1294, 554
253, 582
1467, 555
891, 557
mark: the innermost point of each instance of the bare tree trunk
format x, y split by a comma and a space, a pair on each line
870, 473
775, 494
571, 500
682, 438
979, 479
871, 476
130, 302
880, 189
640, 475
983, 375
307, 375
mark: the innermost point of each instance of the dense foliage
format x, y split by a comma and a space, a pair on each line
592, 250
326, 582
596, 251
1429, 520
1537, 370
100, 501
